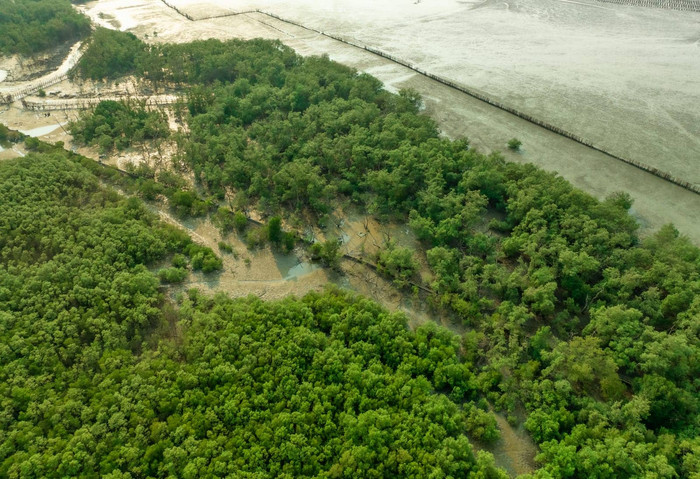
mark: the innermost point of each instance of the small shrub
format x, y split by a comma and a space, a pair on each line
256, 237
324, 221
172, 275
274, 229
398, 264
315, 251
171, 180
179, 261
224, 219
197, 261
149, 189
225, 247
31, 143
182, 199
512, 419
514, 144
288, 241
203, 258
327, 252
187, 203
482, 425
240, 221
502, 226
4, 133
211, 263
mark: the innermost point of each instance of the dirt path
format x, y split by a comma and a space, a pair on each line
515, 451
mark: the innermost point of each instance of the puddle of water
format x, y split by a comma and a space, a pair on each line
291, 268
300, 270
42, 130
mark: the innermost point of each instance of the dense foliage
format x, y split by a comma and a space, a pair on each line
31, 26
110, 54
119, 125
593, 331
99, 375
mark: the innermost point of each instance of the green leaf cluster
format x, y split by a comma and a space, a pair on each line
119, 124
591, 329
100, 376
32, 26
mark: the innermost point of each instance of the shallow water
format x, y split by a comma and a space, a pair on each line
42, 130
292, 268
301, 269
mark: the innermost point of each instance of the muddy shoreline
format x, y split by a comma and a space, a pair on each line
656, 203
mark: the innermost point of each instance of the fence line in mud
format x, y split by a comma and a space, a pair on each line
224, 15
169, 5
682, 5
197, 19
695, 188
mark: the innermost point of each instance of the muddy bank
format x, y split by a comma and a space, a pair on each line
15, 91
272, 275
17, 68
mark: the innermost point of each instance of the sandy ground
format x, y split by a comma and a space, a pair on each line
515, 450
273, 275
